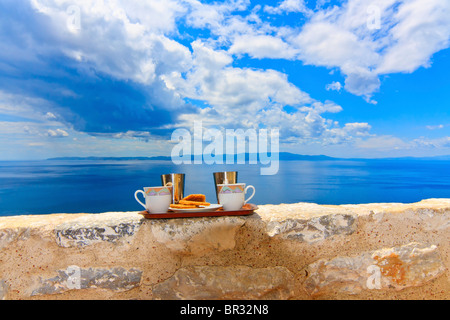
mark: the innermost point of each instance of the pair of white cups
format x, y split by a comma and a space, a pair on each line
231, 197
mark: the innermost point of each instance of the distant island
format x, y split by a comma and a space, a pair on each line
282, 156
111, 158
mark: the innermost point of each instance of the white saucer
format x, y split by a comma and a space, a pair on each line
211, 207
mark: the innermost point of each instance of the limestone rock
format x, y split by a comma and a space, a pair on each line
324, 250
115, 279
389, 268
21, 228
197, 235
225, 283
10, 235
429, 214
90, 229
312, 228
3, 289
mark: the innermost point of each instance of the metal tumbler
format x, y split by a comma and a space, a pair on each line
224, 178
176, 180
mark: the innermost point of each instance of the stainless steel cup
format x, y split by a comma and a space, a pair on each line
224, 177
176, 180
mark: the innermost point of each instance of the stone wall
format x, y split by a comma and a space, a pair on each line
289, 251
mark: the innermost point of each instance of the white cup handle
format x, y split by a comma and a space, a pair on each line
136, 197
245, 191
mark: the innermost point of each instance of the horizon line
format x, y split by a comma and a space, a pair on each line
445, 157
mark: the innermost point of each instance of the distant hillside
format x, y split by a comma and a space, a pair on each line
111, 158
284, 156
293, 156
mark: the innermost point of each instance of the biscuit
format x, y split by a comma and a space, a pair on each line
182, 206
196, 203
195, 197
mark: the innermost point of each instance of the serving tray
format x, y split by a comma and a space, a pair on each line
247, 209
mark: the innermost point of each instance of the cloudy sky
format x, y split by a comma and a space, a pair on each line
356, 78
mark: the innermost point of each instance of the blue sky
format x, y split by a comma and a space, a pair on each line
352, 78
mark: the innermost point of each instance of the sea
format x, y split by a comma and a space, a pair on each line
95, 186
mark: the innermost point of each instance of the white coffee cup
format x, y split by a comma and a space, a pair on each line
157, 199
232, 196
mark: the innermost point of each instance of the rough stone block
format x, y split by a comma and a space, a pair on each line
73, 278
225, 283
389, 268
197, 235
9, 235
318, 250
92, 229
3, 289
314, 229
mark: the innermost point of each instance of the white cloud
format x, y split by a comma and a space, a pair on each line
437, 143
50, 116
323, 43
334, 86
234, 93
57, 133
421, 29
439, 126
37, 124
125, 39
287, 6
348, 37
319, 107
240, 97
262, 46
409, 33
35, 144
203, 15
30, 110
393, 146
133, 40
363, 83
308, 126
384, 142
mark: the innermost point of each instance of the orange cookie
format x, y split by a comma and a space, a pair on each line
197, 203
182, 206
195, 197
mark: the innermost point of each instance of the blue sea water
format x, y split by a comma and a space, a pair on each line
73, 186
